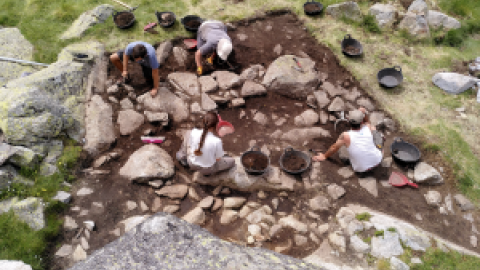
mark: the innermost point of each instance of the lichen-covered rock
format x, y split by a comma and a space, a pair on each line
99, 125
419, 7
415, 24
385, 14
88, 19
163, 51
238, 179
6, 151
165, 101
185, 82
8, 176
24, 157
148, 163
283, 79
29, 210
151, 245
453, 83
14, 45
439, 20
349, 10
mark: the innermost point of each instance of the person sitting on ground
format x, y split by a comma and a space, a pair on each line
212, 34
364, 154
202, 151
142, 53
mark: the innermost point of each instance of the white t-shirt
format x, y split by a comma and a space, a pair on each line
212, 149
362, 151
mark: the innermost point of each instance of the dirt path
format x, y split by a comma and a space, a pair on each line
112, 192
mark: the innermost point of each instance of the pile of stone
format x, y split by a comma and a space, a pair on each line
413, 16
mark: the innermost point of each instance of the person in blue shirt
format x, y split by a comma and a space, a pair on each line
142, 53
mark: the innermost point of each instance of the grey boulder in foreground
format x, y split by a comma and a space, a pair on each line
166, 242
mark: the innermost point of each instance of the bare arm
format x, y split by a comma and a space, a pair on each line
198, 58
155, 78
333, 149
125, 64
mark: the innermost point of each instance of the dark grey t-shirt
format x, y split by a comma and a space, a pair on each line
209, 34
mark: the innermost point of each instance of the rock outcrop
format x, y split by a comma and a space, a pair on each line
88, 19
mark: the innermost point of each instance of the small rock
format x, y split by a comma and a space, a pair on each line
206, 203
89, 224
426, 174
418, 216
335, 191
416, 260
70, 224
237, 102
397, 264
434, 198
156, 183
370, 184
277, 49
64, 251
217, 204
79, 254
319, 203
473, 241
131, 205
143, 206
254, 230
260, 118
84, 191
234, 202
338, 240
262, 195
463, 202
293, 223
345, 172
84, 243
300, 240
63, 197
157, 205
275, 202
228, 216
171, 209
116, 232
250, 240
173, 192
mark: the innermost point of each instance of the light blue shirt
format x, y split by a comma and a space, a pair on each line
150, 59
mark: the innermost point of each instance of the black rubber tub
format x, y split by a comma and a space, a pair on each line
124, 26
287, 153
188, 20
317, 5
161, 22
351, 47
404, 153
390, 77
254, 150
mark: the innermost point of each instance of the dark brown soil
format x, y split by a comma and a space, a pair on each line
193, 24
351, 50
124, 19
293, 163
113, 191
255, 161
312, 8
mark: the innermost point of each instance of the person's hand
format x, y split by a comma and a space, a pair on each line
199, 71
363, 110
125, 74
153, 92
320, 157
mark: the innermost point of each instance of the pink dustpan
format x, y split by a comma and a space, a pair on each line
148, 139
400, 180
224, 127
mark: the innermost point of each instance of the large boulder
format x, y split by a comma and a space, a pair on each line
252, 89
307, 118
163, 51
416, 25
437, 20
29, 210
99, 125
349, 10
14, 265
129, 121
453, 83
237, 178
148, 163
418, 7
14, 45
164, 241
165, 101
88, 19
185, 82
385, 14
283, 79
226, 79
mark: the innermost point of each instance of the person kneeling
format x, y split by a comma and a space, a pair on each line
360, 142
202, 151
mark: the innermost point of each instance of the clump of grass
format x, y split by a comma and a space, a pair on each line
363, 216
369, 22
379, 233
368, 240
456, 37
437, 259
392, 230
383, 264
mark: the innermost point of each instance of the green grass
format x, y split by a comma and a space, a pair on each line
383, 264
435, 259
379, 233
363, 216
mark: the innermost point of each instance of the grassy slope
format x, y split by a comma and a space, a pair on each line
420, 107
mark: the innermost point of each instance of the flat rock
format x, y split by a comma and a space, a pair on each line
261, 118
234, 202
84, 191
79, 254
129, 121
173, 192
236, 178
369, 184
217, 204
208, 84
359, 245
206, 202
252, 73
307, 118
70, 224
433, 198
397, 264
463, 202
238, 102
332, 90
338, 240
352, 95
195, 216
185, 82
415, 24
180, 55
126, 104
171, 209
453, 83
300, 240
63, 197
337, 105
345, 172
64, 251
279, 77
386, 246
292, 222
319, 203
100, 132
438, 20
426, 174
156, 116
385, 14
335, 191
163, 51
226, 80
251, 88
349, 10
150, 162
165, 101
207, 103
322, 99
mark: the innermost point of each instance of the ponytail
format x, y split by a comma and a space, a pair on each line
210, 120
